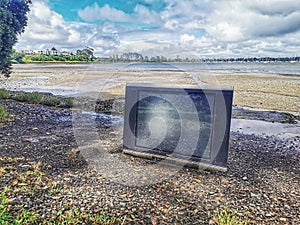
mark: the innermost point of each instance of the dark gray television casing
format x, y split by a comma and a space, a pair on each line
205, 110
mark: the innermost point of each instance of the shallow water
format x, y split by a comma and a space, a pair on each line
245, 126
98, 119
258, 127
55, 91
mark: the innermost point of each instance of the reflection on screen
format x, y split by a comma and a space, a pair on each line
172, 122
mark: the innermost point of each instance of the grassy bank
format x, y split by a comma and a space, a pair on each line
38, 98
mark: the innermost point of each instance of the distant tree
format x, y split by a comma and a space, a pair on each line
13, 20
88, 52
16, 56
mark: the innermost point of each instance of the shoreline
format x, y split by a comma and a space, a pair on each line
238, 112
266, 123
256, 91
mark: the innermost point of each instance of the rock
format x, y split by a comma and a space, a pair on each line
31, 140
282, 219
252, 195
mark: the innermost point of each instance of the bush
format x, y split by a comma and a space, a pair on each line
228, 217
3, 114
30, 97
51, 101
4, 94
69, 102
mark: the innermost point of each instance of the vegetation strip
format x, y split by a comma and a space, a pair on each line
38, 98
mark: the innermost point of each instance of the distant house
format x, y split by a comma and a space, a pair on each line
64, 53
38, 52
27, 52
53, 51
47, 52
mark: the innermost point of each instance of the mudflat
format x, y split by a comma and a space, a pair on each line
259, 91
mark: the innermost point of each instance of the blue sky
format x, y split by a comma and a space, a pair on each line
69, 10
191, 28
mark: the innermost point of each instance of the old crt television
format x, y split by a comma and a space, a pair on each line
188, 125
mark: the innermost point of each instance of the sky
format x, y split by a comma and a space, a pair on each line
188, 28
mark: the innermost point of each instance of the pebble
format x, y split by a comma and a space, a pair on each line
282, 219
180, 198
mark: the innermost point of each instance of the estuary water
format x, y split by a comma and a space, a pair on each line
279, 68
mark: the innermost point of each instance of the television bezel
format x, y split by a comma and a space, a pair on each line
222, 110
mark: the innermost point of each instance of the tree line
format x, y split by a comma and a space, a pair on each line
81, 55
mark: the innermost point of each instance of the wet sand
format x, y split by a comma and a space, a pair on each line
259, 91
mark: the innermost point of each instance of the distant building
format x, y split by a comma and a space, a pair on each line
27, 52
132, 56
64, 53
53, 51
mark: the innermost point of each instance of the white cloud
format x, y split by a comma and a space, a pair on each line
185, 38
186, 14
46, 26
141, 14
172, 25
94, 13
144, 15
244, 20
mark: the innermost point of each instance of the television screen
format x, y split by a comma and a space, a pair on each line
185, 124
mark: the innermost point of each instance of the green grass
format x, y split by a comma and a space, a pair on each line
68, 103
33, 97
228, 217
4, 94
62, 217
4, 115
51, 101
6, 217
31, 181
37, 98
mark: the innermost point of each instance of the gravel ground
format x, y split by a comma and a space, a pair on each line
262, 182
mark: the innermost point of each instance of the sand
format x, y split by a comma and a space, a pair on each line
259, 91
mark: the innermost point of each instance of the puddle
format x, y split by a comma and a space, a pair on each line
258, 127
64, 119
105, 119
87, 117
38, 78
64, 92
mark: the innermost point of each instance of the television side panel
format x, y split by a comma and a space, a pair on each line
130, 117
223, 108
